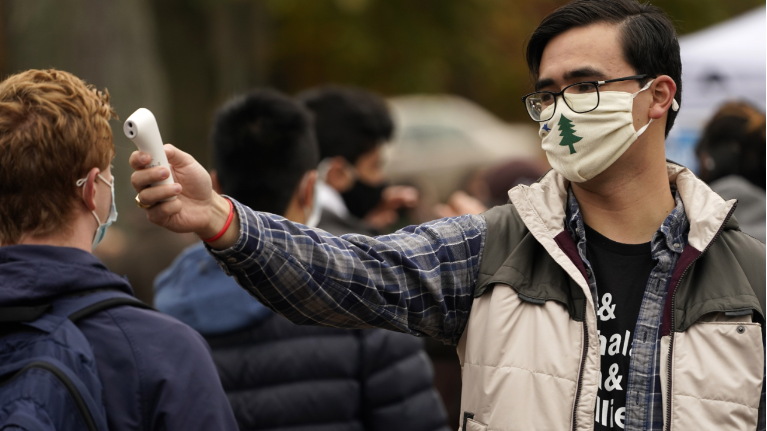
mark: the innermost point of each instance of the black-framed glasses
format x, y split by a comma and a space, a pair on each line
581, 97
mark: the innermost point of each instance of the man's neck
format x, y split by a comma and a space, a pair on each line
626, 205
79, 234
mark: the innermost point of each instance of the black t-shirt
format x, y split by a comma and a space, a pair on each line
621, 272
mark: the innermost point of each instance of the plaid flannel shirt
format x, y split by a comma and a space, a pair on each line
419, 280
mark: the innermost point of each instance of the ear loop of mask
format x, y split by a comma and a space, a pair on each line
674, 106
111, 217
82, 181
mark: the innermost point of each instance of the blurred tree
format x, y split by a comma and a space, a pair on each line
213, 50
109, 45
473, 48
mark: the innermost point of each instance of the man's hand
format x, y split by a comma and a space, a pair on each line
196, 207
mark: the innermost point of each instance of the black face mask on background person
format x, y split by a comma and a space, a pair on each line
362, 198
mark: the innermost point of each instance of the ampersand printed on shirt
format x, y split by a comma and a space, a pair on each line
606, 311
613, 382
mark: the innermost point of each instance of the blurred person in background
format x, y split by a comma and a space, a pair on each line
732, 161
279, 375
490, 187
617, 292
485, 189
352, 125
151, 372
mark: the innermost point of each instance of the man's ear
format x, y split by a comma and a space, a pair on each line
338, 175
89, 189
214, 180
663, 90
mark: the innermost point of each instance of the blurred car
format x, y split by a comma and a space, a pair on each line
441, 140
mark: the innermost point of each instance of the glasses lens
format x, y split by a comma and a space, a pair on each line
537, 103
582, 97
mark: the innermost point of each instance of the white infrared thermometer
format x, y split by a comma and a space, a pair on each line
141, 128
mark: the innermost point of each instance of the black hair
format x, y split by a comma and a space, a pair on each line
733, 143
263, 145
648, 37
348, 121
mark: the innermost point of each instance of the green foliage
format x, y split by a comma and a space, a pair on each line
212, 49
474, 48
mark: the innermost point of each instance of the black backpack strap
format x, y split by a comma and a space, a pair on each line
105, 304
80, 306
22, 314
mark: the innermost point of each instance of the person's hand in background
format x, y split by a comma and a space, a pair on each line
393, 199
459, 204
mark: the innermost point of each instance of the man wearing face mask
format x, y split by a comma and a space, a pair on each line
279, 375
142, 370
352, 125
617, 292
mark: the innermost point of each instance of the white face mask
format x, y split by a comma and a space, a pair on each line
582, 146
111, 218
312, 214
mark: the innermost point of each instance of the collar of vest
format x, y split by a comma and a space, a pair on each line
542, 205
529, 248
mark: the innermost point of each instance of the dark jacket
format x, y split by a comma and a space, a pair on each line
751, 203
156, 372
281, 376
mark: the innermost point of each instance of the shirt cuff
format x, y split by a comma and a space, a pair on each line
248, 241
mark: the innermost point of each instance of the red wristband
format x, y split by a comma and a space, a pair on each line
226, 225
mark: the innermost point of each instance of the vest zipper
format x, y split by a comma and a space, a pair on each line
667, 426
82, 407
583, 366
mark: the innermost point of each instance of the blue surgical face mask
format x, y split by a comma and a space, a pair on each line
111, 218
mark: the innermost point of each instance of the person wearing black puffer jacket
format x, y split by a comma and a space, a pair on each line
278, 375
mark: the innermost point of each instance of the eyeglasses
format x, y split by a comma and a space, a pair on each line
537, 103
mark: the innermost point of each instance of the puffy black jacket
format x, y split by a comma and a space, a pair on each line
281, 376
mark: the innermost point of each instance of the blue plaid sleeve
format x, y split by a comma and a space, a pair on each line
419, 280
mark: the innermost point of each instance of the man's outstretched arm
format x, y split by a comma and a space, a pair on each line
419, 280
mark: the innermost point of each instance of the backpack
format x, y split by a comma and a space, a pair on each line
48, 375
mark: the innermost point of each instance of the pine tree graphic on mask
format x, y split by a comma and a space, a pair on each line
568, 133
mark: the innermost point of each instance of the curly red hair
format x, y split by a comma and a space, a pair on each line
54, 128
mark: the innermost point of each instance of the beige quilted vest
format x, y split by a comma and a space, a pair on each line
531, 359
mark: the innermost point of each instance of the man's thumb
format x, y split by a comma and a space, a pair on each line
176, 157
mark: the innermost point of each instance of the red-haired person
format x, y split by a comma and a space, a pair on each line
64, 315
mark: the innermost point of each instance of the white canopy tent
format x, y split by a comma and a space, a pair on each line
721, 63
